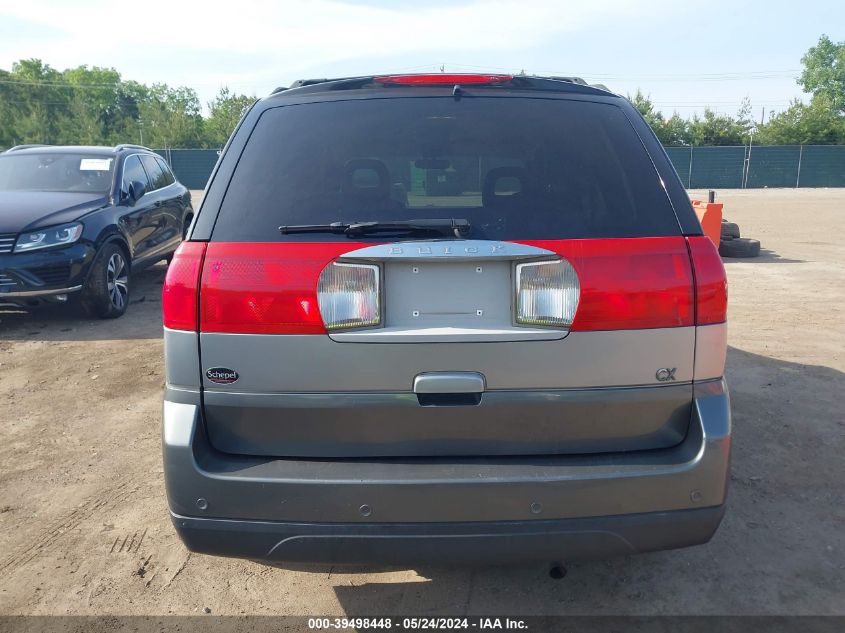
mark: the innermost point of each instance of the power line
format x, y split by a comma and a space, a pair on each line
720, 76
56, 84
715, 76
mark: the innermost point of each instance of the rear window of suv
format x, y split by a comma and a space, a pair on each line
515, 167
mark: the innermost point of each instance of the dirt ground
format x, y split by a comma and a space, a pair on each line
83, 519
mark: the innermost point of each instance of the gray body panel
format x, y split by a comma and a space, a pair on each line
313, 363
182, 355
448, 489
181, 359
244, 490
300, 545
396, 424
309, 396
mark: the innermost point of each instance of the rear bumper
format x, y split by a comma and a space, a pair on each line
493, 509
499, 542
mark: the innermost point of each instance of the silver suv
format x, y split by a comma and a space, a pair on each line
459, 318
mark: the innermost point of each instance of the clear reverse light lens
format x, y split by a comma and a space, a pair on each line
546, 294
45, 238
348, 295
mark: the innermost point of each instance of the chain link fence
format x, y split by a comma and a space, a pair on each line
721, 167
759, 166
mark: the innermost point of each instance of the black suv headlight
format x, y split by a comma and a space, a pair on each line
51, 236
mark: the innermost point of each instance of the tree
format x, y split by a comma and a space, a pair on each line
93, 105
813, 124
744, 117
643, 103
170, 117
671, 131
824, 73
675, 131
224, 113
717, 129
92, 114
34, 101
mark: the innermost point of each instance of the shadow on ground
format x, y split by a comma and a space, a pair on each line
766, 257
66, 323
780, 549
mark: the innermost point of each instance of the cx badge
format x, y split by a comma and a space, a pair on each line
666, 374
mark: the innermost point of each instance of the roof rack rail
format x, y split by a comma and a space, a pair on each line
17, 147
572, 80
299, 83
121, 146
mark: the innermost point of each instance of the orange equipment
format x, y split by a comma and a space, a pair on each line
710, 216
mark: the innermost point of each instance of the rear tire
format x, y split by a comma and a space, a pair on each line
740, 247
106, 292
730, 230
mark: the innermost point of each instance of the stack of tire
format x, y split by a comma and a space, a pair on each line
731, 244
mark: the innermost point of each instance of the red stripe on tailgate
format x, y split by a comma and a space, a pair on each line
271, 288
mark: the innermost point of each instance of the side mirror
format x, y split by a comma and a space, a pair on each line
136, 191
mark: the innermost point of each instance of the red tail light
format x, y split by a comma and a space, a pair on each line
265, 288
179, 297
271, 288
629, 283
441, 79
711, 284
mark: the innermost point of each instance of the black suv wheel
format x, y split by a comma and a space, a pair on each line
106, 292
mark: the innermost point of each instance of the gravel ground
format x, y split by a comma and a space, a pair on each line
83, 518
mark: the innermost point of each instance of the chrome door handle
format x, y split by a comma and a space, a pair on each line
449, 382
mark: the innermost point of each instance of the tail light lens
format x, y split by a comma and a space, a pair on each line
265, 288
629, 283
300, 288
348, 296
546, 294
711, 284
179, 298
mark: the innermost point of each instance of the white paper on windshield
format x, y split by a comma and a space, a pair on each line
95, 164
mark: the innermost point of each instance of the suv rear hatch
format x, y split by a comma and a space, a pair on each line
563, 321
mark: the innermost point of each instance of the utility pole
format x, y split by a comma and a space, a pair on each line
762, 115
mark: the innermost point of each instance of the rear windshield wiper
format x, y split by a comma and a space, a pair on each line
458, 227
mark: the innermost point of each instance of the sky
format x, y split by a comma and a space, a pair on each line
685, 54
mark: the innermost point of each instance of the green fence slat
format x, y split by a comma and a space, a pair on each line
680, 157
717, 167
822, 166
191, 166
773, 166
698, 167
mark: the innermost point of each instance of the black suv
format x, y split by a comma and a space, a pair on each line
74, 221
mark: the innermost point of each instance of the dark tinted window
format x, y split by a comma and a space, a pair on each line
167, 174
132, 170
154, 172
56, 172
516, 168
